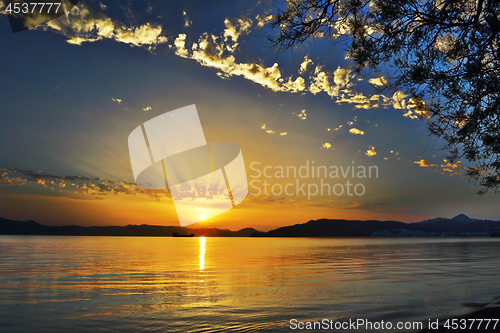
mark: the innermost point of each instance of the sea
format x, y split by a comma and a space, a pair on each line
165, 284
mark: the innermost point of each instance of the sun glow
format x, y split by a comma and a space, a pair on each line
203, 216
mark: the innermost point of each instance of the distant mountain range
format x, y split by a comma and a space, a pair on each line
460, 225
10, 227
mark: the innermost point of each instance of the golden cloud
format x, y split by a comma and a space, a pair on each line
356, 131
83, 24
306, 65
371, 152
378, 81
424, 163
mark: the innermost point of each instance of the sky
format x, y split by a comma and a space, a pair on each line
74, 88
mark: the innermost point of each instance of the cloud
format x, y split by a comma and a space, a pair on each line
326, 145
212, 51
341, 77
268, 130
302, 115
117, 100
306, 65
83, 24
187, 21
236, 27
398, 100
362, 205
453, 168
361, 101
262, 20
147, 108
356, 131
36, 176
424, 163
331, 83
371, 152
378, 81
446, 166
262, 199
217, 51
417, 109
75, 185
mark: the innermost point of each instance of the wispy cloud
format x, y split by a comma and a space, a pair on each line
262, 20
363, 205
75, 185
187, 21
302, 115
268, 130
445, 167
452, 168
424, 163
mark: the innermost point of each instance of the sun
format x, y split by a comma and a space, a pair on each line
202, 217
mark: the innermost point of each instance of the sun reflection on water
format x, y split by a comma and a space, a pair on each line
202, 254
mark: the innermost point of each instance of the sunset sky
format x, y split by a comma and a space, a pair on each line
73, 89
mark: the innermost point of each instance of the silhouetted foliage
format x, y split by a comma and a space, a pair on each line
445, 56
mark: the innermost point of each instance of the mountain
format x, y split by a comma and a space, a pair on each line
335, 228
460, 225
10, 227
462, 217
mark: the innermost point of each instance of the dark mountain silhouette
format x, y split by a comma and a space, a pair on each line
335, 228
10, 227
460, 225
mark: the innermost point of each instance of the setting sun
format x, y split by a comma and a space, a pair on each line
202, 217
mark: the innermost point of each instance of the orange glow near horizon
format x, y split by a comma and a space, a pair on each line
121, 210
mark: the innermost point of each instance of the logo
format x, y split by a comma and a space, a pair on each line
170, 150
